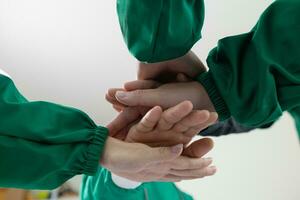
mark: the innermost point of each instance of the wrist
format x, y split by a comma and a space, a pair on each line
107, 155
203, 101
120, 156
206, 100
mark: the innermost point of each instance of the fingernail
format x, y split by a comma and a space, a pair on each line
212, 170
208, 160
120, 94
177, 149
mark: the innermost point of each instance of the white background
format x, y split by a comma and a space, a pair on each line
71, 51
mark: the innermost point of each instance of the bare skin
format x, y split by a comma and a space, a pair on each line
181, 70
176, 125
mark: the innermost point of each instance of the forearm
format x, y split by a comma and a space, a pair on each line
43, 144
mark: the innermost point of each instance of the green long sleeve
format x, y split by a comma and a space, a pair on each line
160, 30
42, 145
101, 186
254, 77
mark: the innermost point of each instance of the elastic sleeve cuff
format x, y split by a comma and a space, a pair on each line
95, 150
208, 83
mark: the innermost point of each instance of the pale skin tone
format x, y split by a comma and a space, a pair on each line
151, 88
176, 70
121, 157
189, 65
140, 93
176, 125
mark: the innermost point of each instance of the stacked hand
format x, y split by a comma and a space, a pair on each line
177, 125
150, 158
149, 90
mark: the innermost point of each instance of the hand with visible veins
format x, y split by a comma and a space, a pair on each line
180, 69
139, 97
147, 93
184, 167
176, 125
200, 119
148, 90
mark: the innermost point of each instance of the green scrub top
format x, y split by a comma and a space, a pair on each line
157, 30
102, 187
42, 144
252, 77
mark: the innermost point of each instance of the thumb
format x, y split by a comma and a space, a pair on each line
182, 78
148, 98
160, 154
199, 148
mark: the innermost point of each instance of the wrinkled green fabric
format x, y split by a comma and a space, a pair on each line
42, 145
101, 187
296, 114
160, 30
255, 76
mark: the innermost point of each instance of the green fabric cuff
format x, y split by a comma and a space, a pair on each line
160, 30
208, 83
95, 150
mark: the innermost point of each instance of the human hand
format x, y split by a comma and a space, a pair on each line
156, 128
176, 125
139, 162
166, 95
177, 70
140, 99
140, 93
121, 125
189, 65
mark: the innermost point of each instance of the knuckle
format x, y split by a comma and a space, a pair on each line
200, 163
184, 127
173, 116
166, 121
179, 138
189, 164
178, 127
139, 92
186, 139
200, 173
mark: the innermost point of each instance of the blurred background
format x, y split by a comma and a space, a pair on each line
71, 51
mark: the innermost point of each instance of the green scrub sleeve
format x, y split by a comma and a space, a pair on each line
101, 186
42, 144
254, 77
160, 30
